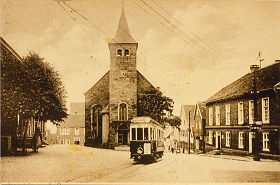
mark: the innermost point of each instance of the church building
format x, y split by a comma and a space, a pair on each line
111, 103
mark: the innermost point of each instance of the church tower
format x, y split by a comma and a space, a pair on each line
122, 83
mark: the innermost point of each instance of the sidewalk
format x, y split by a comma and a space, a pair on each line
227, 156
237, 158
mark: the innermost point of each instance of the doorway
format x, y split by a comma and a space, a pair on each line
250, 142
218, 140
123, 135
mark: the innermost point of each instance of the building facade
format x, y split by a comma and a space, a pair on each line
112, 102
72, 130
171, 138
244, 117
199, 126
187, 138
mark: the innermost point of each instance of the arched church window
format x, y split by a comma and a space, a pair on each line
119, 52
123, 112
126, 52
95, 116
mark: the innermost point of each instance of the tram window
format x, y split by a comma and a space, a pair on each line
151, 133
146, 134
139, 133
133, 134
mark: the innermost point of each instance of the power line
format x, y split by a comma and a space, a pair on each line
174, 26
93, 24
195, 35
191, 56
83, 29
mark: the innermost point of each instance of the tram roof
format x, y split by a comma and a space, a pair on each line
145, 120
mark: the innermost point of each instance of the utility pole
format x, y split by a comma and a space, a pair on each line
255, 129
189, 148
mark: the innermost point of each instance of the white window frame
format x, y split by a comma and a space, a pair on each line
241, 140
228, 139
62, 131
240, 113
120, 112
77, 131
210, 141
67, 141
76, 139
265, 110
227, 114
67, 131
218, 115
251, 112
210, 115
265, 146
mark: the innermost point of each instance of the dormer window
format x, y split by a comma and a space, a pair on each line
126, 52
119, 52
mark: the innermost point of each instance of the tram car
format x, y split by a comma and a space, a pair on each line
146, 139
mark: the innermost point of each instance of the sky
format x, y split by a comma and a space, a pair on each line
190, 49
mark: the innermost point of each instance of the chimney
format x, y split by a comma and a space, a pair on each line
254, 68
277, 61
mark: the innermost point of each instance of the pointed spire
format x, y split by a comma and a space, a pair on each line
123, 34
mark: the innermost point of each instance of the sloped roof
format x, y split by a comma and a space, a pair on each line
123, 34
5, 45
74, 121
143, 83
77, 108
186, 109
103, 79
201, 106
266, 78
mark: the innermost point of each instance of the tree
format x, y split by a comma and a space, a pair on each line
30, 88
46, 97
158, 107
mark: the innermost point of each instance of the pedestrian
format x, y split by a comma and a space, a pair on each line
172, 150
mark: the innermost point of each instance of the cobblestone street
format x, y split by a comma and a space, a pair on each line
71, 163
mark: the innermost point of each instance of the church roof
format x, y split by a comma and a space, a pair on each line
123, 34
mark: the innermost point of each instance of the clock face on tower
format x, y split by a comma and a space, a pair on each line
124, 73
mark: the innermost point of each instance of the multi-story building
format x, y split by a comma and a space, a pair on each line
187, 127
244, 117
72, 130
111, 103
199, 126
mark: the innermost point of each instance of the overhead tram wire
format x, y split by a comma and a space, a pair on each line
93, 24
187, 29
191, 56
175, 27
184, 34
193, 41
83, 29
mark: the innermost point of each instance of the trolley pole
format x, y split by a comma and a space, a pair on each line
189, 148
